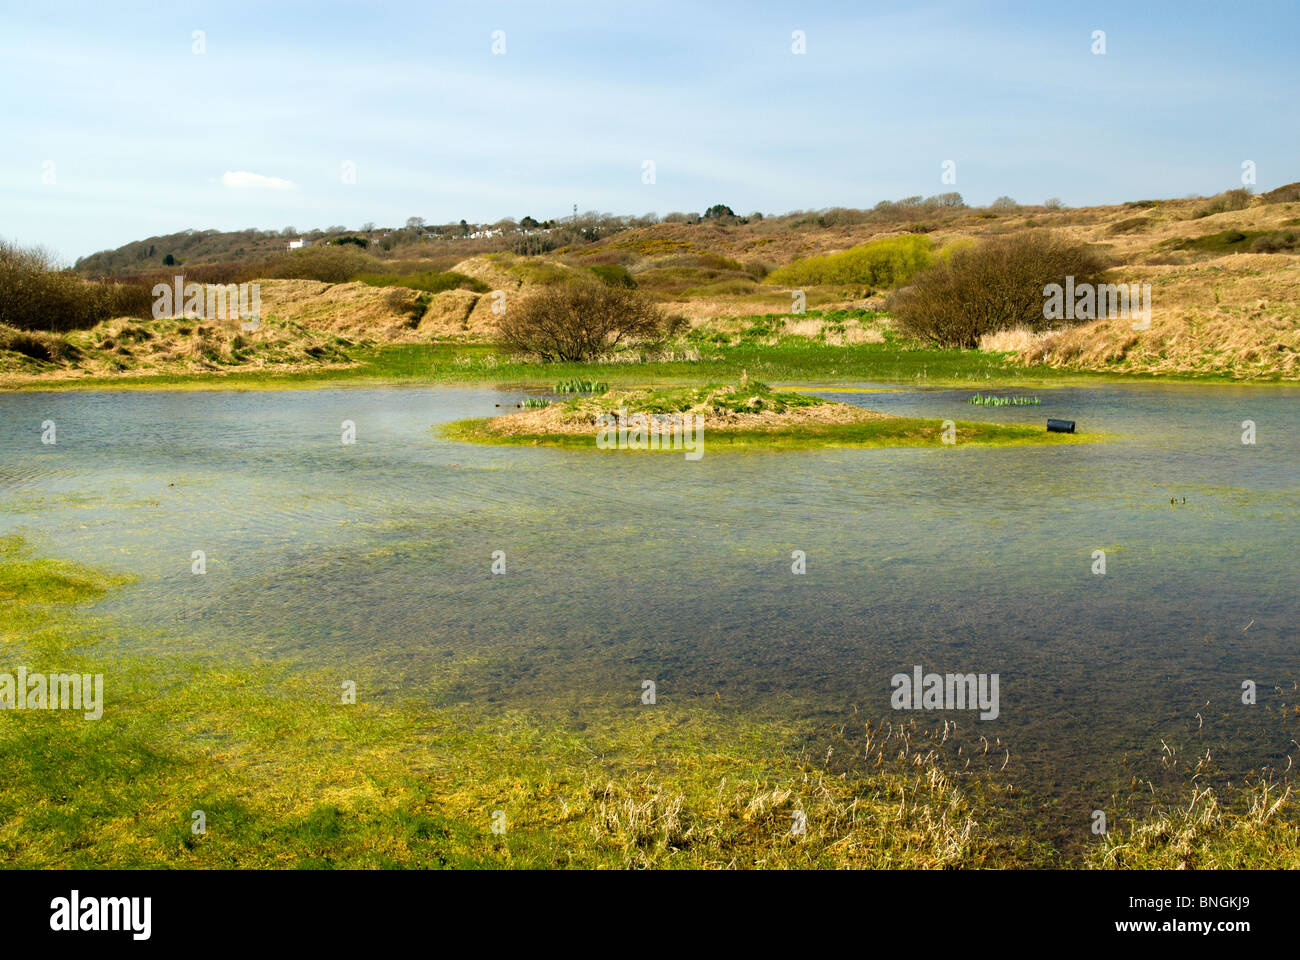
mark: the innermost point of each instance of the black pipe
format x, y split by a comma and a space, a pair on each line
1060, 426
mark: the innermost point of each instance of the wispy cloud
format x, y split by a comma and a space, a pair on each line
242, 179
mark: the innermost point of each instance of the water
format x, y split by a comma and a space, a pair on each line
374, 560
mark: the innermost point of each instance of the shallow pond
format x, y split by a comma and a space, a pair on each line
375, 559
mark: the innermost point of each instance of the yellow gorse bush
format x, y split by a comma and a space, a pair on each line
880, 263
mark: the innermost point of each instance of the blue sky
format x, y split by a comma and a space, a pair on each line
138, 132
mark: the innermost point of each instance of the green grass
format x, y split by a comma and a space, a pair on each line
761, 350
894, 432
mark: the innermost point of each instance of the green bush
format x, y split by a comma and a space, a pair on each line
880, 263
997, 285
614, 275
1276, 242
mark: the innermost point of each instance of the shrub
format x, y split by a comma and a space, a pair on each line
1237, 199
35, 295
997, 285
1276, 242
614, 275
1225, 241
1131, 225
580, 320
531, 244
880, 263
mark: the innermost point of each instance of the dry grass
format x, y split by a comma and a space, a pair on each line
1236, 316
1018, 340
1257, 832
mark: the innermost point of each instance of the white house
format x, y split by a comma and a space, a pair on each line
299, 244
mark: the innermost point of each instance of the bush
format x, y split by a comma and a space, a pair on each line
1276, 242
1237, 199
531, 244
36, 295
880, 263
997, 285
580, 320
614, 275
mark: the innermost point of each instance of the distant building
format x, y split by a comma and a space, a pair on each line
299, 244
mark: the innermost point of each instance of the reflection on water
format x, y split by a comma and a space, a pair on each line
375, 559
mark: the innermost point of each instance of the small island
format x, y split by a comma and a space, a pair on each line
747, 415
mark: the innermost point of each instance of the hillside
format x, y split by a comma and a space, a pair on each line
1224, 274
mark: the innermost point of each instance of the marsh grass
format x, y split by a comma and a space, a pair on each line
287, 777
1254, 830
578, 385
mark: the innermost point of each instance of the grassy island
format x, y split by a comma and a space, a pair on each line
735, 416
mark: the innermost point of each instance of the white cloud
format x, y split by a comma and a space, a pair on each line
242, 178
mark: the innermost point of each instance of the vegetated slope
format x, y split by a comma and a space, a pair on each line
1223, 272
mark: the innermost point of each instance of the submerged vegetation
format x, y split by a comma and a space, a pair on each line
285, 775
991, 400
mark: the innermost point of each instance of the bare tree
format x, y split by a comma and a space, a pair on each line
581, 320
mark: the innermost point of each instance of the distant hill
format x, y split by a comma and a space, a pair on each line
187, 246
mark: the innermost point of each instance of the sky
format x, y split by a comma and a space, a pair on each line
120, 122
